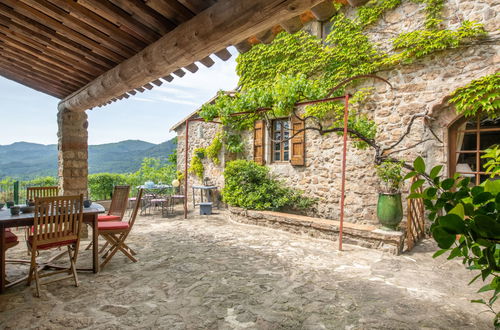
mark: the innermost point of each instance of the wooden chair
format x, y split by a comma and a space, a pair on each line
57, 223
118, 206
116, 232
34, 192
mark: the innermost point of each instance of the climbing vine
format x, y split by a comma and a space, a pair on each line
298, 67
480, 95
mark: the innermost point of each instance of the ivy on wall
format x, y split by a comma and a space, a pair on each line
298, 67
479, 95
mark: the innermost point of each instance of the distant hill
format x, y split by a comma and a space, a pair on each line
24, 160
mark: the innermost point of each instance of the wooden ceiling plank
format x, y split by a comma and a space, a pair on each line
49, 56
132, 92
41, 63
33, 76
77, 26
80, 13
41, 42
31, 26
197, 6
146, 15
40, 87
140, 89
47, 41
39, 66
48, 21
121, 18
207, 61
172, 10
148, 86
49, 76
223, 54
223, 24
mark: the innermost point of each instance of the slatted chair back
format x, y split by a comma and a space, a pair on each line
35, 192
119, 202
135, 211
57, 220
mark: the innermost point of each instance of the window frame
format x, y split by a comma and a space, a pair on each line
453, 130
282, 144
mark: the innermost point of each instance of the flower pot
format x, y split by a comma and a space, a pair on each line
389, 210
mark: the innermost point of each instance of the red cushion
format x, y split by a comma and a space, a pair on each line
51, 245
112, 225
107, 217
10, 237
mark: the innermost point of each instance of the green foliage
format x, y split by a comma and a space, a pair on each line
466, 223
101, 185
44, 181
492, 166
480, 95
215, 147
419, 43
299, 67
390, 175
250, 186
196, 165
433, 12
371, 12
288, 55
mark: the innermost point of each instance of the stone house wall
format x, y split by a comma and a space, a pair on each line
422, 86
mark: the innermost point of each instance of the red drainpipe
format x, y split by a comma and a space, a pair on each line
342, 189
186, 150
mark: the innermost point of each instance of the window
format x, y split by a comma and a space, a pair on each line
468, 138
280, 148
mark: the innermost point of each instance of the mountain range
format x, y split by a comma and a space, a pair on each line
25, 160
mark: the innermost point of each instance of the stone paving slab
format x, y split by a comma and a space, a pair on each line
209, 273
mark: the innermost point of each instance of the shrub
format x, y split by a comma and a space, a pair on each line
250, 186
390, 175
465, 223
101, 185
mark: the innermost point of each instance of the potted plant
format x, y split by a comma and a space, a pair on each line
390, 206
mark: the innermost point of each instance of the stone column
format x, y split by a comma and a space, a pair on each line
73, 152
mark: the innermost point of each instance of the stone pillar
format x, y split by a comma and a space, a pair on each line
73, 152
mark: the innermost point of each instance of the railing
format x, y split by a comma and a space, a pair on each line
14, 191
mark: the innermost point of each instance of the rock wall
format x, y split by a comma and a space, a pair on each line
419, 87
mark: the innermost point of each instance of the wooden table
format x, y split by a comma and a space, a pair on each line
26, 219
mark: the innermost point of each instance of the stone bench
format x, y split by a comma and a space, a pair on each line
368, 236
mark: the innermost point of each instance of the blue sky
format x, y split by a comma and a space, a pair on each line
28, 115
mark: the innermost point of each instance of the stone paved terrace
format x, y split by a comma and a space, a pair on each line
209, 273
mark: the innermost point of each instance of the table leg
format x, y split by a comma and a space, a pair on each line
2, 261
95, 245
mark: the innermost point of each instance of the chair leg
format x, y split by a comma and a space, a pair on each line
37, 281
72, 265
104, 247
33, 266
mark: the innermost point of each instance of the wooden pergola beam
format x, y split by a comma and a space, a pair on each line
227, 22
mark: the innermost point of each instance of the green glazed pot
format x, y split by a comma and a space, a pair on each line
389, 210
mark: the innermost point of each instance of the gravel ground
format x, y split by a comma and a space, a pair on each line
209, 273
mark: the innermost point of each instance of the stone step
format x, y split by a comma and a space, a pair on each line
368, 236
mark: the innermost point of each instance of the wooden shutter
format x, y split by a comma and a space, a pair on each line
297, 143
258, 142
